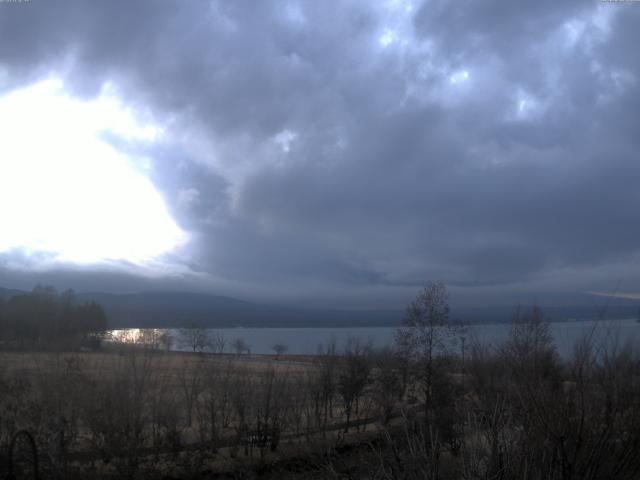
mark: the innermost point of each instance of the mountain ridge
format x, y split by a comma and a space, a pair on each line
174, 309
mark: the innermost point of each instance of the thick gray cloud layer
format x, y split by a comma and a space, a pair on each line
349, 150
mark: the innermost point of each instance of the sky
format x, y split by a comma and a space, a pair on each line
323, 153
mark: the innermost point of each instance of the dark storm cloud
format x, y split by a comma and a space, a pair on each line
482, 143
494, 27
91, 280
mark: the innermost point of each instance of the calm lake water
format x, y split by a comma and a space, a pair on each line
306, 340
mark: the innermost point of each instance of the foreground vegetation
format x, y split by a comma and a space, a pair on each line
438, 406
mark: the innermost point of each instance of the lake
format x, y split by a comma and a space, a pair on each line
306, 340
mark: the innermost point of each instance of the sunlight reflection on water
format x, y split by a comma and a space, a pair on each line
306, 340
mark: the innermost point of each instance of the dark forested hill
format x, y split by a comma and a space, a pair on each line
174, 309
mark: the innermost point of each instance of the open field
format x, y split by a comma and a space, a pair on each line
170, 362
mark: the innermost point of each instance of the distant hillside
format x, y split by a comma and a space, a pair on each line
504, 314
177, 309
6, 293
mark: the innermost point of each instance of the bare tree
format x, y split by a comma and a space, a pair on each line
279, 349
214, 404
327, 379
166, 340
195, 338
270, 394
191, 385
218, 343
239, 346
387, 382
426, 336
530, 349
353, 377
154, 339
117, 414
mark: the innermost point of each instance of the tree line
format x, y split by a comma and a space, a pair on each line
45, 318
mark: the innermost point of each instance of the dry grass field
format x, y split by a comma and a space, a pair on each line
129, 410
